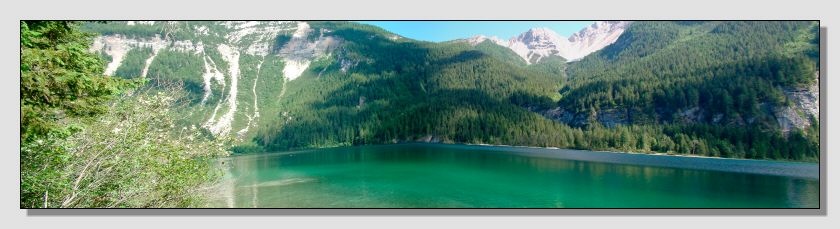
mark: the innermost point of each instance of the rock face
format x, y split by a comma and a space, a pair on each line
230, 53
798, 116
807, 99
595, 37
789, 119
609, 118
538, 43
117, 46
806, 105
299, 52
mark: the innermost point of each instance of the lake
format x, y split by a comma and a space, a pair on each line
425, 175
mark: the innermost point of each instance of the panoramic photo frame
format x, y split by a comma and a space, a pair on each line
595, 115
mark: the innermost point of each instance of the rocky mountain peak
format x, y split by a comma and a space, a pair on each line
537, 34
537, 43
599, 28
481, 38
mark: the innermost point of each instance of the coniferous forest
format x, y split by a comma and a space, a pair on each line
456, 93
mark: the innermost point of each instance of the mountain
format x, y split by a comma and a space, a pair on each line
285, 78
751, 83
729, 89
538, 43
717, 72
234, 71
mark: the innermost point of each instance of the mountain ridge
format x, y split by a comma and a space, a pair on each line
538, 43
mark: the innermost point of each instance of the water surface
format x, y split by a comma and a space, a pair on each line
460, 176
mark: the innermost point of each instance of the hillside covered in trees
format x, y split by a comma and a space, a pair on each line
701, 88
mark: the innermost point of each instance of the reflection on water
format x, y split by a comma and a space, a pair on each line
281, 182
424, 175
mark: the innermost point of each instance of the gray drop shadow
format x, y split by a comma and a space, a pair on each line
420, 212
823, 120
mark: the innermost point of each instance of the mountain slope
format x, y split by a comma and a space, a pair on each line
703, 88
399, 90
742, 78
281, 79
234, 71
679, 67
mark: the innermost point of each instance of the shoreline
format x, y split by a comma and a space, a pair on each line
807, 170
529, 147
625, 152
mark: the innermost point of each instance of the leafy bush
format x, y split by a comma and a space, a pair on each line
87, 143
133, 156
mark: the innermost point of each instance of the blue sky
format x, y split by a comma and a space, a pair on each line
449, 30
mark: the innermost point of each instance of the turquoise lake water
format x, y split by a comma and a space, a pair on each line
460, 176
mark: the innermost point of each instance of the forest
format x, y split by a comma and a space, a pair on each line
452, 92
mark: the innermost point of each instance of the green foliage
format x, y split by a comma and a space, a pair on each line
654, 63
114, 28
247, 148
733, 72
59, 80
164, 29
59, 77
132, 156
499, 52
715, 89
184, 68
84, 145
133, 63
552, 65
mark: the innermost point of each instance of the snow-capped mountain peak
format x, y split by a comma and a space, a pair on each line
537, 43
